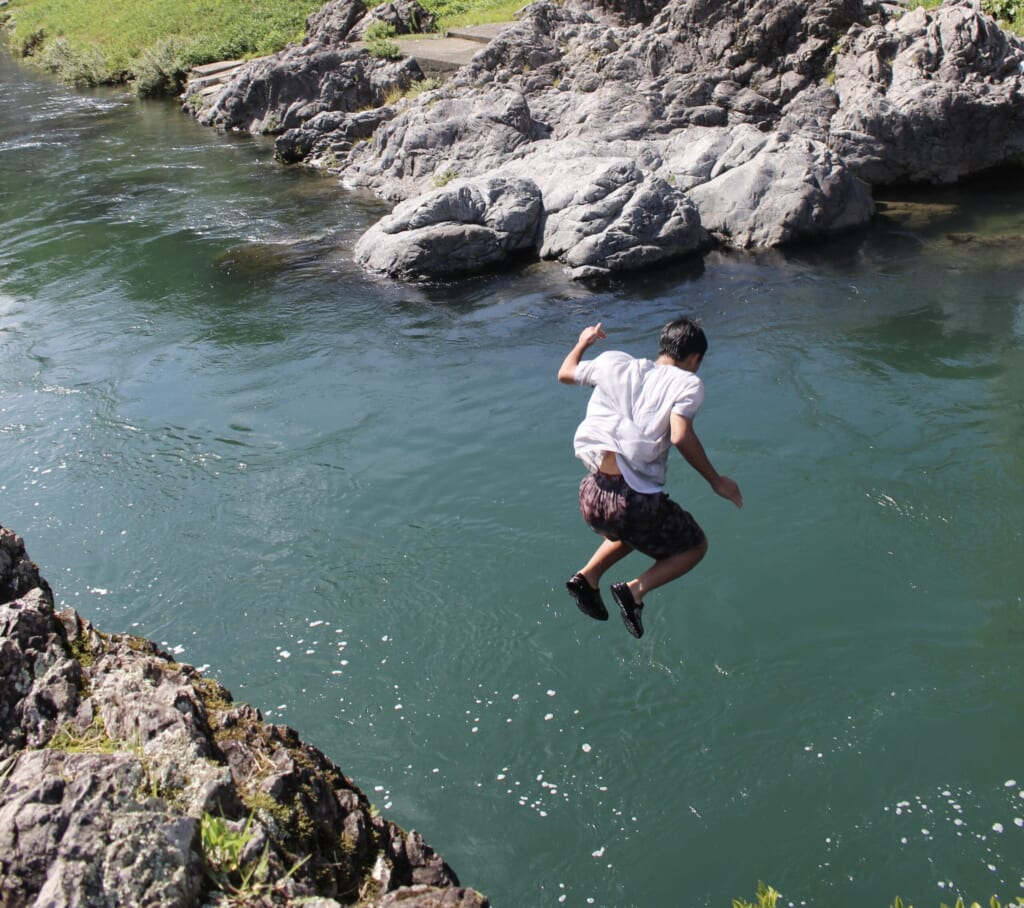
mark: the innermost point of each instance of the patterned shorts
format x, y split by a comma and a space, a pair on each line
650, 523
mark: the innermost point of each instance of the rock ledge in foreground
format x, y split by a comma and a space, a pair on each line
120, 770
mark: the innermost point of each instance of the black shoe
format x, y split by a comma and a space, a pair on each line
630, 608
587, 598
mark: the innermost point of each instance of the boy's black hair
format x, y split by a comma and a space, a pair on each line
682, 337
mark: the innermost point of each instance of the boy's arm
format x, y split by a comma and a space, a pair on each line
588, 337
684, 437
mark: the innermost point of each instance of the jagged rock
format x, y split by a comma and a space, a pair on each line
430, 897
628, 11
761, 190
462, 227
330, 134
324, 74
608, 214
333, 22
406, 17
76, 828
450, 135
273, 94
929, 97
112, 756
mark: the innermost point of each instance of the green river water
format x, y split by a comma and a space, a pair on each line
354, 503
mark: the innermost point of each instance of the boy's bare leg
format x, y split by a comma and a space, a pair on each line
607, 554
665, 571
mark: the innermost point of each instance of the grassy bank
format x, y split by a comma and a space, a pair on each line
149, 42
153, 43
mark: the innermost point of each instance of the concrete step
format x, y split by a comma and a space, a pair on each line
213, 69
479, 33
437, 55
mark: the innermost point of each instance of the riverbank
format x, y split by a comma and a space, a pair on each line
615, 140
152, 45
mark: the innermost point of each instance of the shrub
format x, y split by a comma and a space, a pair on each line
444, 177
1008, 11
79, 66
162, 68
377, 39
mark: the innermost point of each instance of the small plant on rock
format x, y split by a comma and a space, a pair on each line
223, 851
377, 38
444, 177
242, 882
418, 88
93, 740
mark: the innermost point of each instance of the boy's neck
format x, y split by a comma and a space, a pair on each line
690, 364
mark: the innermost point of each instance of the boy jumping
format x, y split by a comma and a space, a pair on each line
638, 409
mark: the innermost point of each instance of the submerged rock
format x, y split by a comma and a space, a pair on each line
653, 128
115, 760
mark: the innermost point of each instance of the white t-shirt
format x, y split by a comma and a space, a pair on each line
629, 414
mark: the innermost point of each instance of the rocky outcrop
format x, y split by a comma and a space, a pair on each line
468, 226
652, 129
324, 74
129, 779
929, 97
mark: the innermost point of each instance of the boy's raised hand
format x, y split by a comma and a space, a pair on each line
591, 335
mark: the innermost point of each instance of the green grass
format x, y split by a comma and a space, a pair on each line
117, 39
453, 13
153, 43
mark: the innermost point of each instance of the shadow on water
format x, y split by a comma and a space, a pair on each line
975, 225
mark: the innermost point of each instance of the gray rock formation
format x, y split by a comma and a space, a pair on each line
129, 779
466, 226
324, 74
406, 17
652, 128
929, 97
